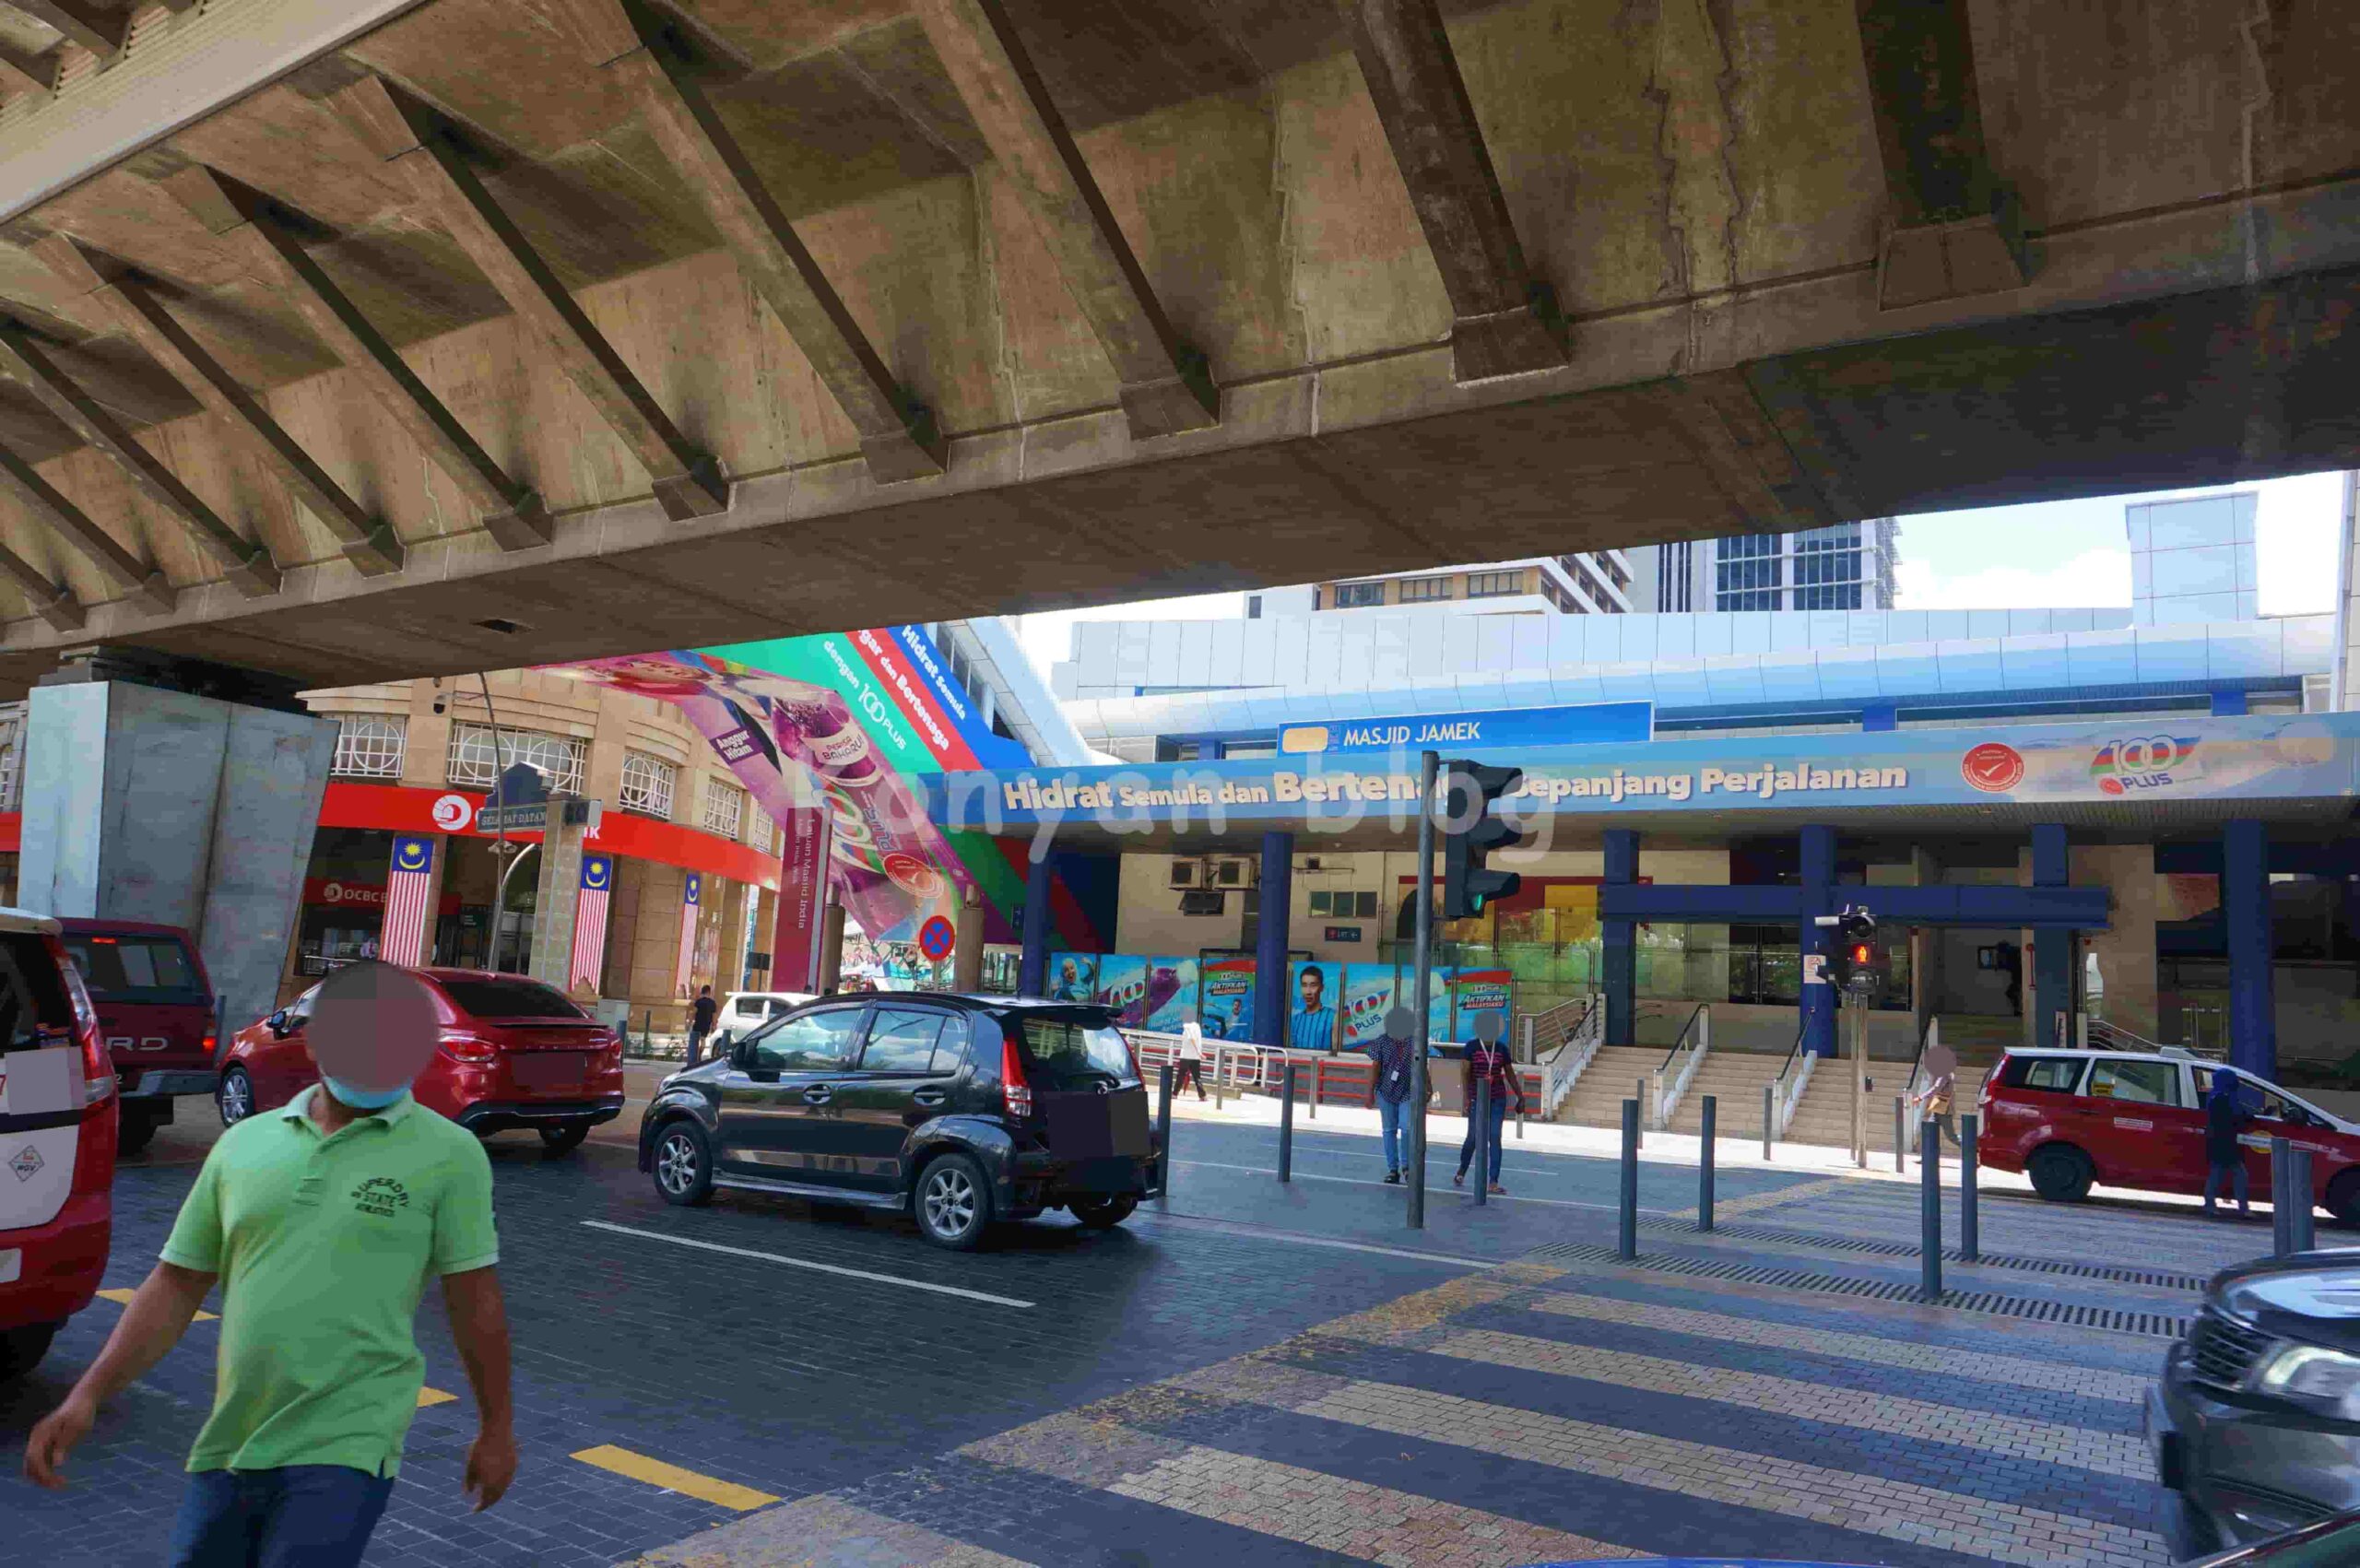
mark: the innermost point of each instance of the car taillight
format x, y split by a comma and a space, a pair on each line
1012, 1087
471, 1048
98, 1067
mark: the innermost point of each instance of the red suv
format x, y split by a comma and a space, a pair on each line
155, 1014
2136, 1119
58, 1141
514, 1053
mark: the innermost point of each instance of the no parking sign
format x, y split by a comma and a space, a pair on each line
936, 938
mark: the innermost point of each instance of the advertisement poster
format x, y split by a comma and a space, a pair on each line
1122, 985
802, 898
1474, 991
1314, 993
1438, 1001
1171, 994
1369, 990
1073, 977
863, 714
1226, 999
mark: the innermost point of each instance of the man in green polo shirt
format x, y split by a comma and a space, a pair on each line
322, 1221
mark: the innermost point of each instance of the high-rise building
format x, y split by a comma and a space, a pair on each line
1582, 582
2193, 559
1843, 566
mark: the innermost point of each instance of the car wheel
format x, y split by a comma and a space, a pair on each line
2344, 1200
2060, 1174
953, 1203
234, 1097
134, 1132
563, 1141
23, 1349
1104, 1213
683, 1164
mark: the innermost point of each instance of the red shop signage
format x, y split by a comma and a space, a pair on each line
402, 809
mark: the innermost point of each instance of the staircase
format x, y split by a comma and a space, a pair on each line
1824, 1117
1611, 1078
1736, 1079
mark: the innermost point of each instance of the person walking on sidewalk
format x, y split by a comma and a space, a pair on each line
2224, 1119
701, 1018
1487, 1061
1940, 1069
1192, 1058
1390, 1056
322, 1221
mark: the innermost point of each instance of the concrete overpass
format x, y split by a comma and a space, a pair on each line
360, 338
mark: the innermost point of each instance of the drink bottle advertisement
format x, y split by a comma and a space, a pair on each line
1122, 985
1225, 1002
1171, 994
862, 714
1440, 991
1369, 990
1474, 991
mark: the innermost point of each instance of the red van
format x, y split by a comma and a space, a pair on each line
2136, 1119
514, 1053
156, 1014
58, 1141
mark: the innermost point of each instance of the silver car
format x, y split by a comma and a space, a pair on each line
2256, 1421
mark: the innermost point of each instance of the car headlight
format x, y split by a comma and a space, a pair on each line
2325, 1381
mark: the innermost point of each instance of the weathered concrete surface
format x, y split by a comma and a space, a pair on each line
1699, 185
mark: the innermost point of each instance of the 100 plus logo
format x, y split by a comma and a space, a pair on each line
2150, 762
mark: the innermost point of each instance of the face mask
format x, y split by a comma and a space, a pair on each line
361, 1099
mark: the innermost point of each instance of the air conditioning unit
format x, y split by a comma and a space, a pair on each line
1187, 874
1208, 902
1234, 871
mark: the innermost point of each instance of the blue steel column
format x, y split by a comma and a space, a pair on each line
1818, 1005
1032, 963
2052, 950
1621, 955
2245, 905
1271, 940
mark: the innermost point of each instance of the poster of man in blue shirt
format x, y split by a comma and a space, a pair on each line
1312, 1026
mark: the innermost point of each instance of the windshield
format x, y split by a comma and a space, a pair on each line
490, 998
134, 969
1073, 1051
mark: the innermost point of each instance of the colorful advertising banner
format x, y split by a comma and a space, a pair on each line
1073, 977
1474, 991
1438, 1001
1225, 1000
1314, 994
802, 896
1171, 994
1122, 986
1369, 992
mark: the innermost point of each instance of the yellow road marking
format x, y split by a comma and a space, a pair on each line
1777, 1197
434, 1396
122, 1298
671, 1477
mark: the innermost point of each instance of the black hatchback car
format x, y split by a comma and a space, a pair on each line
963, 1110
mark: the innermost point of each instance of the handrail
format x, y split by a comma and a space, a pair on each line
1682, 1038
1930, 1035
1666, 1096
1561, 1067
1793, 1076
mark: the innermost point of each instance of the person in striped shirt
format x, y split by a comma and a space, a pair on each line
1488, 1060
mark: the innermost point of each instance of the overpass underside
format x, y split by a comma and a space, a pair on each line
520, 330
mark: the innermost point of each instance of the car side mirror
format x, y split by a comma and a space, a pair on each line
278, 1022
741, 1054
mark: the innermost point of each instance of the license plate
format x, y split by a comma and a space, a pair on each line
12, 1262
546, 1069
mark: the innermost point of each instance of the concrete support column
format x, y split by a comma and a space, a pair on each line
557, 894
1272, 938
967, 945
177, 792
2125, 950
2054, 952
1925, 949
1621, 955
1032, 966
831, 948
2245, 906
1818, 1005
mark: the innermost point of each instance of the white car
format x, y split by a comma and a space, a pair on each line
742, 1011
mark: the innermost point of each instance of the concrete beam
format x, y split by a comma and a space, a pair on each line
20, 72
368, 542
135, 577
272, 246
1953, 227
248, 565
897, 434
99, 31
1506, 320
1167, 385
55, 605
405, 132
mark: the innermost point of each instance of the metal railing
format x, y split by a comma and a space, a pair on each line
1933, 1035
1561, 1064
2100, 1035
1670, 1080
1543, 1032
1792, 1079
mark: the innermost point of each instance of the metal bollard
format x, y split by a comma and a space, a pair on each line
1318, 1071
1519, 1111
1930, 1239
1704, 1169
1164, 1134
2299, 1234
1970, 1237
2282, 1205
1482, 1131
1627, 1231
1221, 1053
1769, 1118
1286, 1122
1642, 1101
1900, 1140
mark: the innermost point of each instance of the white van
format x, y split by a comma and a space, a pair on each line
742, 1011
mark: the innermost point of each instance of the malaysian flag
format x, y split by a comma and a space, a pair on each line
402, 937
590, 921
688, 931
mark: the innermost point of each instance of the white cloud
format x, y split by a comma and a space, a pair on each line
2099, 577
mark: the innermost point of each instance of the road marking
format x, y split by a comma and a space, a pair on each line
122, 1298
1265, 1232
1752, 1203
671, 1477
960, 1292
427, 1397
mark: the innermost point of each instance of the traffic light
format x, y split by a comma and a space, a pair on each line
1471, 835
1853, 951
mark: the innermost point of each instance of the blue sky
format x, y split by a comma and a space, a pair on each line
2044, 555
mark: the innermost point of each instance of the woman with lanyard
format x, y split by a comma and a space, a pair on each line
1487, 1060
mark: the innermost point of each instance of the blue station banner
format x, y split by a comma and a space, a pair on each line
2306, 756
1587, 724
